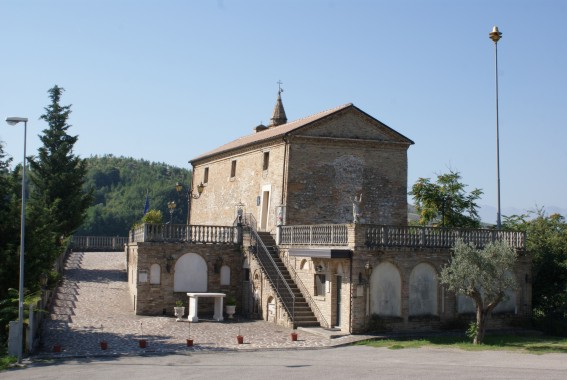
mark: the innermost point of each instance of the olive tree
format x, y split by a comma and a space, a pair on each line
484, 274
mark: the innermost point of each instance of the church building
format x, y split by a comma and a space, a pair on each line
305, 224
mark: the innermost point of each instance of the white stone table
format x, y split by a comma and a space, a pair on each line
194, 305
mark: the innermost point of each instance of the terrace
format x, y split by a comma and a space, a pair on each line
340, 235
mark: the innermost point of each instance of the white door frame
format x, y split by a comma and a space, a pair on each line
265, 207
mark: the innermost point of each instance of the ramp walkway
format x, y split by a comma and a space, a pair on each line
93, 303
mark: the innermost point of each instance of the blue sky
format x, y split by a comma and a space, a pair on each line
169, 80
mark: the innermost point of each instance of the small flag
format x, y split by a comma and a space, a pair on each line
147, 204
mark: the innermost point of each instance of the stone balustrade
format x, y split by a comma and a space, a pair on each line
377, 236
183, 232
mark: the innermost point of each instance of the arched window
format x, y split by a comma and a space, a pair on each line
423, 290
386, 291
155, 274
190, 274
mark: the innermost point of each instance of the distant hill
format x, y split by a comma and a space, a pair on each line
488, 213
120, 185
413, 216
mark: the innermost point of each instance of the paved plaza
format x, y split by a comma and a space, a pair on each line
92, 304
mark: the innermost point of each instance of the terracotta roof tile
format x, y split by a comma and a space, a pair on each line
270, 133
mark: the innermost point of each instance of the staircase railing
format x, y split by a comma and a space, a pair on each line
307, 295
275, 276
247, 220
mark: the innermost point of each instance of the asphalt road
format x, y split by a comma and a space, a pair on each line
356, 362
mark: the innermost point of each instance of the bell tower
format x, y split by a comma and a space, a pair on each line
279, 117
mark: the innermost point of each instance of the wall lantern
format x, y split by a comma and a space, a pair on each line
368, 269
190, 195
218, 264
169, 263
319, 268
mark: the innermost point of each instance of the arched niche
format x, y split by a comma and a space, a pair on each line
386, 291
423, 287
271, 310
190, 274
155, 274
225, 275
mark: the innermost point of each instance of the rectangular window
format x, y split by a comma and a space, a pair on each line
319, 284
206, 176
266, 161
233, 169
142, 277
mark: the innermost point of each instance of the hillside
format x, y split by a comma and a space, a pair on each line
120, 186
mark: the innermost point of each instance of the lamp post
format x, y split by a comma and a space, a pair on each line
14, 121
190, 195
495, 36
171, 206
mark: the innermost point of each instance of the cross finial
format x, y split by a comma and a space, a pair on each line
280, 89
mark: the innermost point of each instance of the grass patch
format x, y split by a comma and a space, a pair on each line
529, 344
5, 361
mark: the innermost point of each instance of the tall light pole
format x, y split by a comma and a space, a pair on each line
495, 36
14, 121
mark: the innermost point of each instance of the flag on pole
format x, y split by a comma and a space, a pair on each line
147, 204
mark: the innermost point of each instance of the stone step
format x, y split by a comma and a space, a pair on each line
63, 303
307, 324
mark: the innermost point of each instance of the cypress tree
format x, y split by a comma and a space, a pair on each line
57, 174
9, 224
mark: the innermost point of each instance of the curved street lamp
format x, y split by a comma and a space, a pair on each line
190, 195
14, 121
495, 36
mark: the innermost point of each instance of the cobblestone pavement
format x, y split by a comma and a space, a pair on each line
93, 304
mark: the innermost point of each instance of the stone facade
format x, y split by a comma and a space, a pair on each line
245, 178
312, 169
305, 173
401, 290
152, 267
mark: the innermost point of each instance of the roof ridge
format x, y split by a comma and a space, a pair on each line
270, 133
330, 110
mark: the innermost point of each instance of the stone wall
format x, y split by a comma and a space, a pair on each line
259, 190
326, 174
402, 293
315, 174
152, 269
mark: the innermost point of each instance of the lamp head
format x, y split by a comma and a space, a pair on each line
200, 188
495, 35
15, 120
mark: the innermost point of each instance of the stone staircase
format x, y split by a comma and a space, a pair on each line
304, 316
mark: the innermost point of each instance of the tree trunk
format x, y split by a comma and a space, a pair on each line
480, 325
